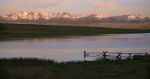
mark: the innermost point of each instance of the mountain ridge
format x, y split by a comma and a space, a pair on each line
64, 17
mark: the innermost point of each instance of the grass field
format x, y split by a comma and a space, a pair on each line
47, 69
37, 31
112, 25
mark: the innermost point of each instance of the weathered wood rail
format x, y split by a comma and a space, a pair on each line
117, 55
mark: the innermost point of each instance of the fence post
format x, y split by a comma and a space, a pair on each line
104, 54
118, 56
129, 57
84, 54
146, 55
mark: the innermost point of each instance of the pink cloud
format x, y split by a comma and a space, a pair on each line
122, 11
50, 2
36, 4
60, 2
108, 4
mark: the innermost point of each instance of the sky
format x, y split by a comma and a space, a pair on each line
107, 7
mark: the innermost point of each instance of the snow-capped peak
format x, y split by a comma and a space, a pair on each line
47, 16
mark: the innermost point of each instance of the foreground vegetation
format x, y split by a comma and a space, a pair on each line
48, 69
29, 30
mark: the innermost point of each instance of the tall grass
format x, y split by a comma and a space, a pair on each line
27, 61
20, 68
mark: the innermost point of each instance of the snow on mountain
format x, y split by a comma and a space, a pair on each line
130, 17
44, 15
67, 17
98, 16
63, 15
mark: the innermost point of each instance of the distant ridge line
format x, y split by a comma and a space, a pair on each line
64, 17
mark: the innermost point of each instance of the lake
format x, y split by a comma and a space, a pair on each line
72, 48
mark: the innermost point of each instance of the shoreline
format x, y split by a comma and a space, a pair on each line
72, 36
53, 31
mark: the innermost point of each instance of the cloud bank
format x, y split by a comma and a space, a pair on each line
36, 4
107, 4
123, 11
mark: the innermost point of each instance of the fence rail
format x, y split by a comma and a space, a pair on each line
117, 55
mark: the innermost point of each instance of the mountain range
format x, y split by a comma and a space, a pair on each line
64, 17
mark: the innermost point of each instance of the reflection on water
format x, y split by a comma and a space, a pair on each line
71, 48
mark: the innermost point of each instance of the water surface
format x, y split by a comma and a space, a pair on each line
71, 48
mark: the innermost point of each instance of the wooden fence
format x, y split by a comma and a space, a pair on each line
114, 55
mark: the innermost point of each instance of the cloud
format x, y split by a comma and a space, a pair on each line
122, 11
8, 8
64, 3
37, 4
108, 4
50, 3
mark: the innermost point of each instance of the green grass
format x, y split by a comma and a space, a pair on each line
48, 69
37, 31
115, 25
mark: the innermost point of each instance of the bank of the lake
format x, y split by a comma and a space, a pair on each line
48, 69
37, 31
